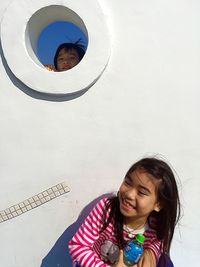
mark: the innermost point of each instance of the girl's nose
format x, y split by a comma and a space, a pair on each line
65, 61
131, 194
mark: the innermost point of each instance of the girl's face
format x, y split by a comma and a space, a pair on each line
138, 197
67, 59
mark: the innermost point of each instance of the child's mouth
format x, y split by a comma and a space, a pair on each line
127, 205
66, 68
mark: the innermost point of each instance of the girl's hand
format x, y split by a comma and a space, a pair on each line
147, 260
50, 67
120, 262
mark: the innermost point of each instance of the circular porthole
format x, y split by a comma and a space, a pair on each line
31, 18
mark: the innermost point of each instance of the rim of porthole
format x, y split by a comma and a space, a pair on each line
19, 41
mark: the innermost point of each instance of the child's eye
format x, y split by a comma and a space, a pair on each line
127, 182
143, 193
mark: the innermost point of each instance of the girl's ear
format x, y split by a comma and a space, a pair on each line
157, 207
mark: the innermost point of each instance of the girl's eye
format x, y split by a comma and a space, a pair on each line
143, 193
127, 182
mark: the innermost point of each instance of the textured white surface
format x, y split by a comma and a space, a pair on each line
147, 101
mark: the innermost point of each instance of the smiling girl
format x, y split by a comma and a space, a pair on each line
147, 202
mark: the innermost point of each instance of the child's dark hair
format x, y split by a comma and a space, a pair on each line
168, 197
68, 46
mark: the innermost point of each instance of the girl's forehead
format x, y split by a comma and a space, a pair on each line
141, 176
64, 51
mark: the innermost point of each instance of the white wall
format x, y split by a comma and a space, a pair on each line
146, 102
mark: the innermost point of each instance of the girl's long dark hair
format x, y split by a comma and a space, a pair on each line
167, 218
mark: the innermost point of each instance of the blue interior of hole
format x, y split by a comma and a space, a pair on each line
53, 35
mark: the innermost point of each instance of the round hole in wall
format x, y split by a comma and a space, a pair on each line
53, 19
56, 35
31, 18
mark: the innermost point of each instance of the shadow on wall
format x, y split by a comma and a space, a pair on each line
59, 256
35, 94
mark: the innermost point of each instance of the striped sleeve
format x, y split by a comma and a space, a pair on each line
152, 243
81, 244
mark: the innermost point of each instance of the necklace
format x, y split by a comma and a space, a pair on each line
132, 232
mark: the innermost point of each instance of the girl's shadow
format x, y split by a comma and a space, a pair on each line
59, 256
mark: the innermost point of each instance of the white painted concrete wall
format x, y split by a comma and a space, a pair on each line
146, 102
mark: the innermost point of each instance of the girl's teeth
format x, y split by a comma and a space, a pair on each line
127, 203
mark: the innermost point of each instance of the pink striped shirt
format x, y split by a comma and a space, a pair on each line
90, 247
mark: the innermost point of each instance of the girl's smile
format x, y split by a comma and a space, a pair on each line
127, 205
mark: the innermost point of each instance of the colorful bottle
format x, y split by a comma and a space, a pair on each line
133, 250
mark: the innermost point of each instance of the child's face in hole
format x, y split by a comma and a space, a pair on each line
67, 59
138, 196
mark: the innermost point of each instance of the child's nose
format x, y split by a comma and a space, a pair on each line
131, 194
65, 61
